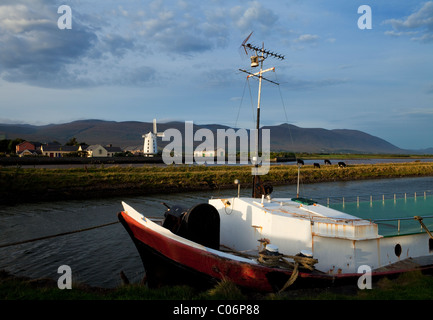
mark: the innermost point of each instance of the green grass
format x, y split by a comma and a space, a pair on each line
409, 286
85, 182
348, 156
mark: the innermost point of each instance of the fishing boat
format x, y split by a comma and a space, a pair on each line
269, 244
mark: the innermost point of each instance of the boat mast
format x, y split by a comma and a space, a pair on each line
258, 108
260, 54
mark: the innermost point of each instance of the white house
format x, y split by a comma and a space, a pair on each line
209, 153
97, 150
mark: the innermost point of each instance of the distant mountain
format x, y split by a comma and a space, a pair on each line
284, 137
290, 137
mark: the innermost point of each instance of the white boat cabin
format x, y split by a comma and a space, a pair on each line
340, 242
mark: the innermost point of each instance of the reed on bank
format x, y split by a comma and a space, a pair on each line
30, 184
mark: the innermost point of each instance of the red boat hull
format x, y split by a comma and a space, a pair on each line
168, 261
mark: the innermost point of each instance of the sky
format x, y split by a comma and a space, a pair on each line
179, 61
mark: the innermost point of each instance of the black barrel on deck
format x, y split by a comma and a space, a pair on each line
200, 224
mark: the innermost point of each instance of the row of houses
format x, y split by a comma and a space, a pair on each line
55, 150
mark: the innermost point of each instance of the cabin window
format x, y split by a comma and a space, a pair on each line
397, 250
430, 245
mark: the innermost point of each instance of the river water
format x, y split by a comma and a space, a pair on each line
96, 257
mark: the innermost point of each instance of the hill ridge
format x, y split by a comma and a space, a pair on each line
284, 137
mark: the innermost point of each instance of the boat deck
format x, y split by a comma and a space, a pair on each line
325, 221
408, 264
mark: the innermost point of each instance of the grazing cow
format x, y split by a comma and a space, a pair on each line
300, 162
342, 165
327, 162
316, 165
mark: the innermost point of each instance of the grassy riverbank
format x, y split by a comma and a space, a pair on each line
409, 286
39, 184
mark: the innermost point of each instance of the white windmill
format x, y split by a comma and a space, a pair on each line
150, 141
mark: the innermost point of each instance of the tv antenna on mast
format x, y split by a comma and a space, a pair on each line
259, 55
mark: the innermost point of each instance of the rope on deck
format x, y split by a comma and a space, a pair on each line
278, 259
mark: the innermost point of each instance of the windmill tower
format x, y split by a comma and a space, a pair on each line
150, 141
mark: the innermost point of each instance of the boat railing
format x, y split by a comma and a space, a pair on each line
400, 226
368, 206
371, 198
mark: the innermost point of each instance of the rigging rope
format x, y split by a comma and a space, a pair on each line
240, 104
56, 235
287, 121
252, 103
423, 226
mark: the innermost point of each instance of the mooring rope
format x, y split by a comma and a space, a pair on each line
423, 226
278, 259
57, 235
292, 278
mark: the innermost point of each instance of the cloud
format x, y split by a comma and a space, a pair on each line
116, 44
36, 52
300, 84
102, 41
187, 29
255, 15
172, 29
415, 113
419, 24
309, 38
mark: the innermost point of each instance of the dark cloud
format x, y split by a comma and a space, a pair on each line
34, 49
138, 76
188, 29
36, 52
101, 42
117, 45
